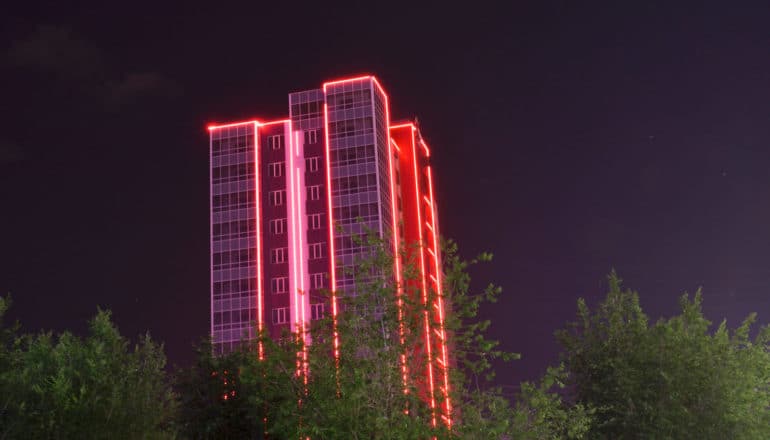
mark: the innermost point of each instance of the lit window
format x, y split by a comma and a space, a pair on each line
314, 221
276, 197
314, 192
280, 315
276, 169
316, 251
311, 164
316, 311
278, 285
278, 255
318, 280
278, 226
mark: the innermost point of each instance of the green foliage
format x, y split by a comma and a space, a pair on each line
214, 398
360, 393
673, 379
98, 387
541, 414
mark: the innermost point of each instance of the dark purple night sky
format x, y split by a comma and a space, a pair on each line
567, 140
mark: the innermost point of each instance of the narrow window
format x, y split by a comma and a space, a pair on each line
278, 255
280, 315
314, 192
276, 197
316, 251
316, 311
311, 164
278, 226
314, 221
318, 280
278, 285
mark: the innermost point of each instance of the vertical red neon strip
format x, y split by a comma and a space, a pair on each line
439, 296
396, 253
332, 262
424, 283
258, 220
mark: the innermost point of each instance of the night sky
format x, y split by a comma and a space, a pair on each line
566, 139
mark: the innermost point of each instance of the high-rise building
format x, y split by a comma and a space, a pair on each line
289, 199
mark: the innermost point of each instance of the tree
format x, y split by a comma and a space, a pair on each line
214, 401
673, 379
374, 387
67, 387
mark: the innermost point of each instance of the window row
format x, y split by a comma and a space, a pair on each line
280, 315
238, 200
345, 100
352, 155
237, 258
234, 229
280, 285
351, 127
231, 145
235, 286
227, 317
351, 214
315, 252
354, 184
232, 173
351, 242
307, 109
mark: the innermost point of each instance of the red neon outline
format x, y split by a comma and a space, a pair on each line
212, 127
405, 124
439, 294
344, 80
425, 147
396, 253
277, 121
424, 282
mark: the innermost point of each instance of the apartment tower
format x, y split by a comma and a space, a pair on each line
290, 196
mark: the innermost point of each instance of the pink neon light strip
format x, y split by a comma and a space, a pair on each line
258, 219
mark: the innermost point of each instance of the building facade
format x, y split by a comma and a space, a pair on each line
291, 197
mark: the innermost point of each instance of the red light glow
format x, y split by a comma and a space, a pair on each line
344, 80
439, 295
212, 127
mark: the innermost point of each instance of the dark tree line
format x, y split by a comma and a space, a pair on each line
620, 377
